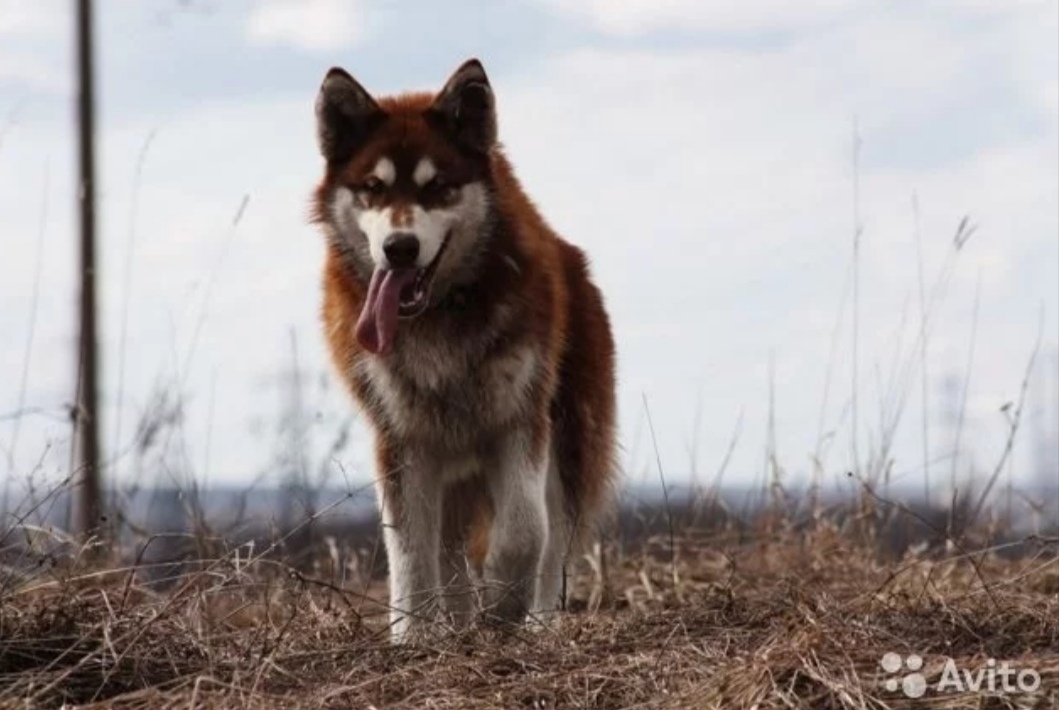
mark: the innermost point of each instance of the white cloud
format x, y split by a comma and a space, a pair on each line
26, 69
1050, 97
31, 17
44, 23
632, 17
988, 7
311, 25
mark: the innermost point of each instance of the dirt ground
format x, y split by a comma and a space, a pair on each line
775, 617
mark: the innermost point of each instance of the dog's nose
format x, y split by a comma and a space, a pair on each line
401, 249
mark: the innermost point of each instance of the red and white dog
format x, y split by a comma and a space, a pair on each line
476, 343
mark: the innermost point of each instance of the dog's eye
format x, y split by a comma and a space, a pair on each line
373, 185
438, 186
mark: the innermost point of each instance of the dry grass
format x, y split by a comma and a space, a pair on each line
767, 618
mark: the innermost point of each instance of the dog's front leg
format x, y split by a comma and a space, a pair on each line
411, 499
517, 480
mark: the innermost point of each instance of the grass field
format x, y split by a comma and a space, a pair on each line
779, 610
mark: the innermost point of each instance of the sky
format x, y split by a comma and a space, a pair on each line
770, 194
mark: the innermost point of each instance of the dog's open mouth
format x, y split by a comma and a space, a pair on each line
393, 294
416, 295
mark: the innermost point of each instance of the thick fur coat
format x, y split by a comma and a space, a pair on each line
476, 343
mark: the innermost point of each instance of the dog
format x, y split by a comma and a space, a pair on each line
476, 344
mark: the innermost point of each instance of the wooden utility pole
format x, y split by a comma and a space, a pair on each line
91, 509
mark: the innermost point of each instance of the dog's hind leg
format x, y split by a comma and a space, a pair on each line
549, 591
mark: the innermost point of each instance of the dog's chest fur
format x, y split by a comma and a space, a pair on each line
451, 394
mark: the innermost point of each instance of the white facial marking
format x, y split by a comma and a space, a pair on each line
377, 224
462, 219
385, 171
343, 211
424, 172
431, 226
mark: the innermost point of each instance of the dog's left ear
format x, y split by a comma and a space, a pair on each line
467, 107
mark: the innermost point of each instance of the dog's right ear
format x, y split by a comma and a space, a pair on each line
345, 115
467, 107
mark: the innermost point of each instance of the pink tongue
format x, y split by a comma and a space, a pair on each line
378, 318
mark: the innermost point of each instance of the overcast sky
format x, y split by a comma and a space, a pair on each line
702, 153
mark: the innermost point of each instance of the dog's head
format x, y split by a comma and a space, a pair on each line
406, 191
